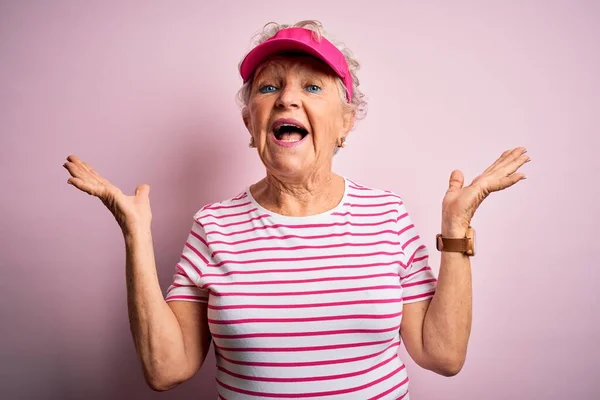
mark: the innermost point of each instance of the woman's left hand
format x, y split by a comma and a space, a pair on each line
460, 203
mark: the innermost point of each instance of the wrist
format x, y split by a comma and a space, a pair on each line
135, 231
454, 230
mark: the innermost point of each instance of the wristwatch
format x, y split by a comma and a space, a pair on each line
465, 245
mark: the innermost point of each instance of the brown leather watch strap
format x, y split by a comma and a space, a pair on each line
454, 245
465, 245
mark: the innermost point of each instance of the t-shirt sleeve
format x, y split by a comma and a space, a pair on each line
193, 260
416, 277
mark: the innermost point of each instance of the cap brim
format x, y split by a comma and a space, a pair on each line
275, 46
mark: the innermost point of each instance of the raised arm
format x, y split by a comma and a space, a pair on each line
171, 339
436, 332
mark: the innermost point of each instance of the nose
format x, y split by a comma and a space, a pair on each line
289, 97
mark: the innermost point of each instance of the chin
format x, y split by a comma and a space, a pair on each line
288, 167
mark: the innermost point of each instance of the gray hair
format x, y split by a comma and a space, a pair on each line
357, 104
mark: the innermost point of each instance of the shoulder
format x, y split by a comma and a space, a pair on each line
239, 204
359, 191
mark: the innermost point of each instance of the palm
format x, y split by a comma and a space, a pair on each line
127, 210
460, 202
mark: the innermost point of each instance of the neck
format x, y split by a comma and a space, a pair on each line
299, 198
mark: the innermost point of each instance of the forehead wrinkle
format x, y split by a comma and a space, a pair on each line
269, 68
303, 64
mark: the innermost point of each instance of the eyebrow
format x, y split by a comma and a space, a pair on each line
313, 77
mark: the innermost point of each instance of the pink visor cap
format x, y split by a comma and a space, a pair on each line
298, 39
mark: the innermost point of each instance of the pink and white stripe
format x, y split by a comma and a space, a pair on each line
307, 307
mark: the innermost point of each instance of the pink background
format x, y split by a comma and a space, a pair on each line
145, 91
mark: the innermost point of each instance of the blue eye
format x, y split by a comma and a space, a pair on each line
313, 88
267, 89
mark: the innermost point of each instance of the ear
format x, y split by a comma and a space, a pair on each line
349, 119
246, 118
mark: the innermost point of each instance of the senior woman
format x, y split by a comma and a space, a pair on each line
307, 281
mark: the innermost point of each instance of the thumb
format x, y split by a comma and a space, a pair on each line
143, 190
457, 181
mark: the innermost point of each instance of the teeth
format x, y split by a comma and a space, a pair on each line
282, 125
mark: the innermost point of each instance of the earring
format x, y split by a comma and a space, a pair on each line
252, 143
342, 142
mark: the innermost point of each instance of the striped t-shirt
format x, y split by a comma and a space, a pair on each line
306, 307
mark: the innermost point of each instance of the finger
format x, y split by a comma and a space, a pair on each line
514, 165
86, 166
74, 169
512, 156
506, 156
87, 187
74, 159
83, 180
498, 161
79, 169
505, 182
79, 162
143, 191
456, 182
82, 165
94, 173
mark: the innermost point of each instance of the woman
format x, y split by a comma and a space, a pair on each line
306, 280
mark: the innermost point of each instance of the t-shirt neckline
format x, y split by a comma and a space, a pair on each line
316, 217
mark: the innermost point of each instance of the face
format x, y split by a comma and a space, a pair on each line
296, 116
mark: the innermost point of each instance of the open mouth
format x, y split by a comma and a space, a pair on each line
289, 133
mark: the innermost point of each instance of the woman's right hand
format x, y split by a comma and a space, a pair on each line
131, 212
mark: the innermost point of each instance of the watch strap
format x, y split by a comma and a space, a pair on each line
464, 245
454, 245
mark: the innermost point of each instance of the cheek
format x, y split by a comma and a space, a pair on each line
259, 114
326, 122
